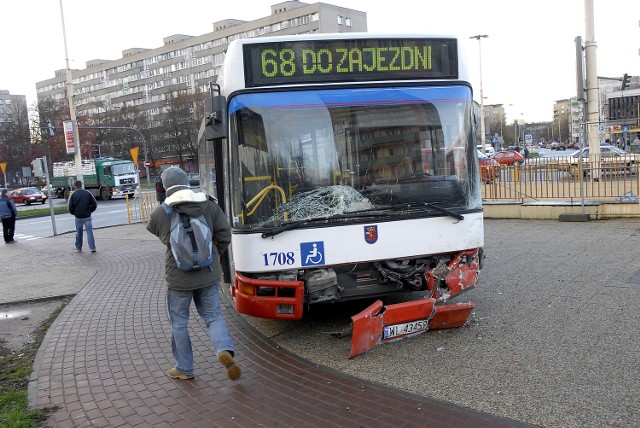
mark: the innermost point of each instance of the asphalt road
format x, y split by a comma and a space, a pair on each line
109, 213
553, 340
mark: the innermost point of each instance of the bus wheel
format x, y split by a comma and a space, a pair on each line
104, 193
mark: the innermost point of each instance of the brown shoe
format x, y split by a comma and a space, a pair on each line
233, 370
175, 374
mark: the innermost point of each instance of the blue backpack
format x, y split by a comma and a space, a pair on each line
191, 240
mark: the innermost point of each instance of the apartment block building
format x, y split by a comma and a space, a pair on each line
146, 78
495, 120
620, 107
10, 106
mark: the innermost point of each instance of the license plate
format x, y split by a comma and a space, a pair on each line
391, 331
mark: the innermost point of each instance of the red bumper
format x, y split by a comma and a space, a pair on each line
268, 299
368, 326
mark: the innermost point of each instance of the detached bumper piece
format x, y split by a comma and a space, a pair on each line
379, 323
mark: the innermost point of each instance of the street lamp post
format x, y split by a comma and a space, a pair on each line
479, 37
72, 108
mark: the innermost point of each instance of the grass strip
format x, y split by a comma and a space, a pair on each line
15, 368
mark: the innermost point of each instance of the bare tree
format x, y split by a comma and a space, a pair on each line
182, 119
104, 126
15, 142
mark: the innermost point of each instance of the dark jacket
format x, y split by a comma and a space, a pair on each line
82, 203
161, 193
7, 207
193, 204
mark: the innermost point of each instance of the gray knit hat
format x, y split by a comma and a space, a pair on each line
174, 178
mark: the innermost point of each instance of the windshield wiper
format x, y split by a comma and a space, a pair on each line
369, 212
408, 205
298, 223
279, 229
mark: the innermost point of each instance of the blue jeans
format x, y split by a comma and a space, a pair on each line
207, 302
88, 226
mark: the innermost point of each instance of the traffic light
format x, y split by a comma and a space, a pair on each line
625, 81
50, 129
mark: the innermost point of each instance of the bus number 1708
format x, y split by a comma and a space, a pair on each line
279, 259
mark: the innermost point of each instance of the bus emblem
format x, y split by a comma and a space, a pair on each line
371, 234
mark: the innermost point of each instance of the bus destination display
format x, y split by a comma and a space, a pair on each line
318, 61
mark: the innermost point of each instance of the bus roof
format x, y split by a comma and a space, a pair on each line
232, 75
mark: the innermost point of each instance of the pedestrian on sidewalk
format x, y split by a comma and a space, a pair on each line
8, 212
202, 285
81, 205
161, 193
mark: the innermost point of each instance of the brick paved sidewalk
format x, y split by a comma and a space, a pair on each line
103, 363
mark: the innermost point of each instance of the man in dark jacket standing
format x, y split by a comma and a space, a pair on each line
8, 212
81, 205
202, 286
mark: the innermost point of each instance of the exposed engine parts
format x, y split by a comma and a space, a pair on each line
402, 273
444, 276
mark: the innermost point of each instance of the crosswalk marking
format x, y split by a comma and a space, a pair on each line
23, 237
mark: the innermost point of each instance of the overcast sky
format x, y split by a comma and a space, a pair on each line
528, 59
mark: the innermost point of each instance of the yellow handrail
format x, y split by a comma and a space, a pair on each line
257, 199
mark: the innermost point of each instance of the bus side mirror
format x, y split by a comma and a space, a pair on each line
215, 114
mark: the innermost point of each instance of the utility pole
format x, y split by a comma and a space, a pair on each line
479, 37
591, 87
72, 109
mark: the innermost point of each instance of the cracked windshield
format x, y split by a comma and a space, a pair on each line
313, 155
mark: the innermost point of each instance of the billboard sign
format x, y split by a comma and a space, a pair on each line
70, 137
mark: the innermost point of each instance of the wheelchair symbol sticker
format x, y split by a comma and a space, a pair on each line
312, 253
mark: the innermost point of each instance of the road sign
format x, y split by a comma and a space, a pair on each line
495, 140
625, 128
601, 128
528, 138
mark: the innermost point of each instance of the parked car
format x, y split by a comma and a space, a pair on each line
557, 146
509, 157
487, 150
45, 190
489, 168
610, 161
194, 180
27, 196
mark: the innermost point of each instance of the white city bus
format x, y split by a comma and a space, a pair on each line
347, 166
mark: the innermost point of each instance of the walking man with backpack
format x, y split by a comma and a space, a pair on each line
184, 214
81, 205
